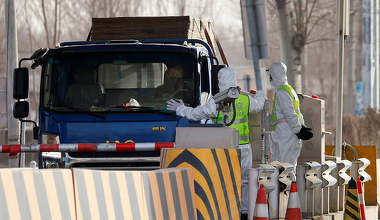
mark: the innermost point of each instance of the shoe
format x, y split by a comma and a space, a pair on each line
244, 217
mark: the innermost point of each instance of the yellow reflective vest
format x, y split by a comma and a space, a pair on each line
296, 105
241, 120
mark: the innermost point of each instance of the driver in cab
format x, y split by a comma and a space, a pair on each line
173, 84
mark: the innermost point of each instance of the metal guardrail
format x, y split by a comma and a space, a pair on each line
312, 181
265, 170
321, 187
327, 179
343, 166
363, 163
283, 177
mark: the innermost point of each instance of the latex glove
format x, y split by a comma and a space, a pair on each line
305, 133
173, 104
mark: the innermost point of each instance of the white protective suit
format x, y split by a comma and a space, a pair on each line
227, 79
285, 145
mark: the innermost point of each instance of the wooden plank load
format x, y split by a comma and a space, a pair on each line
168, 27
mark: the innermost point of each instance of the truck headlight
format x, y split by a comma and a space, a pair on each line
51, 164
50, 138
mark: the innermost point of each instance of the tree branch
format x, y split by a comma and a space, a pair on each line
138, 3
308, 19
271, 4
297, 16
55, 21
320, 39
162, 6
45, 22
59, 20
315, 23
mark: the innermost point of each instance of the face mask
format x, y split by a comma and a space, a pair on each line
174, 79
174, 82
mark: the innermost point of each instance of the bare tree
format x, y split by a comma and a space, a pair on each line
310, 43
160, 8
113, 8
50, 22
45, 22
181, 7
296, 22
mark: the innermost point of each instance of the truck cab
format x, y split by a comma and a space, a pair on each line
116, 92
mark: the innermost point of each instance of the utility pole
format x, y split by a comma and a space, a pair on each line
254, 20
342, 22
351, 84
254, 42
11, 53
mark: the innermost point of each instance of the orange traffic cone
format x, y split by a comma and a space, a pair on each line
261, 207
294, 207
361, 199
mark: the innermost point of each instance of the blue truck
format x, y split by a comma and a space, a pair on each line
115, 91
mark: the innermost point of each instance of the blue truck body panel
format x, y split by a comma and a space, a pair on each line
137, 127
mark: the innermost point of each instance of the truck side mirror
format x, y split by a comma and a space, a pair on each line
205, 83
20, 83
21, 109
35, 133
214, 78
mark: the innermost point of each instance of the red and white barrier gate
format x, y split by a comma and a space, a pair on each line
88, 147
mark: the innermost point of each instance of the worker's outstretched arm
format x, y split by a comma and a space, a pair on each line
206, 111
257, 104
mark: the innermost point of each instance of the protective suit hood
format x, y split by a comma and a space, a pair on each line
278, 72
227, 78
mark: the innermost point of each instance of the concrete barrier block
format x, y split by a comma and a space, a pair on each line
159, 194
36, 194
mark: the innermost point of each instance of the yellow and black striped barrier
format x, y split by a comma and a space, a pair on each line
217, 179
160, 194
91, 194
351, 211
36, 194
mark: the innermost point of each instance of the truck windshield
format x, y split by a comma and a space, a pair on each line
117, 81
